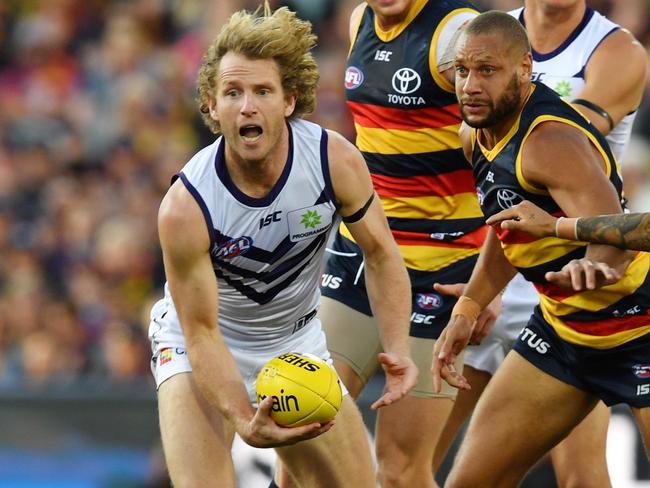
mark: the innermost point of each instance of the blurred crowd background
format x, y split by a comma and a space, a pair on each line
97, 112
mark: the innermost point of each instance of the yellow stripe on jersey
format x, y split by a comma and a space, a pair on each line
536, 253
595, 300
459, 206
426, 258
397, 141
546, 118
433, 258
392, 33
596, 342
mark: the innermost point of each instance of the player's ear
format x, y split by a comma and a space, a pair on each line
212, 109
526, 67
289, 104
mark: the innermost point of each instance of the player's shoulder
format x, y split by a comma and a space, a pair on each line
619, 50
355, 18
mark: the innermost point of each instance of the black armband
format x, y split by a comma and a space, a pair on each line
599, 110
358, 215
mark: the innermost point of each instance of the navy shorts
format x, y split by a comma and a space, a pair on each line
617, 375
343, 280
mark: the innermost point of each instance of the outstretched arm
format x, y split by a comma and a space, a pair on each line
387, 281
490, 275
193, 285
625, 231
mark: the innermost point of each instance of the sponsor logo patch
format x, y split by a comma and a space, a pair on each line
406, 80
165, 356
507, 198
308, 222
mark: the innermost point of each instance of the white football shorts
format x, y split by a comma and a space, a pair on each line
169, 354
519, 300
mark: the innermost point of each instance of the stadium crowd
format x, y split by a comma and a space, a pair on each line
97, 112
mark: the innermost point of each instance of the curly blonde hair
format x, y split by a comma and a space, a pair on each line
281, 36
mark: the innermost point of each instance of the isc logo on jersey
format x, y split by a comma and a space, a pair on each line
420, 318
353, 78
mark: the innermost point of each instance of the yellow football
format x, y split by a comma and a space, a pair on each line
304, 388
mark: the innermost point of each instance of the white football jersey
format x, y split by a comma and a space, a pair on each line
563, 69
266, 252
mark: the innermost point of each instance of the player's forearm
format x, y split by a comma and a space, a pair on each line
487, 282
491, 273
389, 290
218, 378
625, 231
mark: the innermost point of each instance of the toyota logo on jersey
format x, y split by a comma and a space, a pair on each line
507, 198
406, 80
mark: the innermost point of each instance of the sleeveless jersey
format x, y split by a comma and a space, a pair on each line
564, 68
602, 318
407, 119
267, 253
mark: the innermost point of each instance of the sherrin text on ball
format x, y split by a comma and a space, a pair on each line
304, 388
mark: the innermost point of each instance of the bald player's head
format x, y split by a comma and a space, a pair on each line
493, 65
497, 22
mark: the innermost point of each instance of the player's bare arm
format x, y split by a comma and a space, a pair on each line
574, 175
386, 277
490, 275
625, 231
185, 244
618, 95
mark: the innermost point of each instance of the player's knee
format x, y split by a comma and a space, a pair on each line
464, 480
581, 479
401, 470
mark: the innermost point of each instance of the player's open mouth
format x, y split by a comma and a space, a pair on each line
251, 133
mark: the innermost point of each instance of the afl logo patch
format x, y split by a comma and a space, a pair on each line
353, 78
507, 198
428, 301
642, 370
234, 247
480, 195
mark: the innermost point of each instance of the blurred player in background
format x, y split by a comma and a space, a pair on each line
243, 232
575, 51
399, 88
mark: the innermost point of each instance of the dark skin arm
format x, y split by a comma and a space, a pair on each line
566, 184
625, 231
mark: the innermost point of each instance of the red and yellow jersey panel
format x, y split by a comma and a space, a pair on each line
407, 120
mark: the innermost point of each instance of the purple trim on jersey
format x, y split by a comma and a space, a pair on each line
204, 208
581, 74
325, 164
589, 13
265, 201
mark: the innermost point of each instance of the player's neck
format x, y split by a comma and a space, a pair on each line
256, 178
489, 137
548, 28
